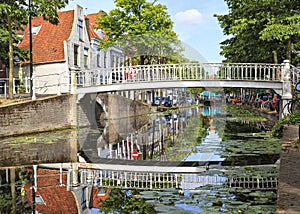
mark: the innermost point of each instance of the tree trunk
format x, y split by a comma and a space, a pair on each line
275, 57
289, 49
13, 190
11, 58
142, 60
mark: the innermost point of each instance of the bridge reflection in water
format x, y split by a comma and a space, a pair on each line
198, 169
163, 180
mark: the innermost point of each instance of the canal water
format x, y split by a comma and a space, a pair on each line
228, 144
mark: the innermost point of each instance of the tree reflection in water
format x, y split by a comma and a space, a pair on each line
125, 201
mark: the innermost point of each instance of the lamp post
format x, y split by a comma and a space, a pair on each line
30, 52
32, 96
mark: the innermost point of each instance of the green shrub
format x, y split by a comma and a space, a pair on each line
290, 119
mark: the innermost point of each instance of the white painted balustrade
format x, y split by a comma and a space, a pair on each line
171, 72
159, 180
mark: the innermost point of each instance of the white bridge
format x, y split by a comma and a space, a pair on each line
194, 75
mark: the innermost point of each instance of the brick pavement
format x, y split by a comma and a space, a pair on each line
288, 196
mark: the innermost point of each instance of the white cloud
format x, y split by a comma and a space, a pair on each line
189, 17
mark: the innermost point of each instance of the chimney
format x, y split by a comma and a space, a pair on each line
87, 24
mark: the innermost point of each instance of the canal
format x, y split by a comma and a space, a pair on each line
230, 149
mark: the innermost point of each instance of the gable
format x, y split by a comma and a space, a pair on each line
48, 42
55, 196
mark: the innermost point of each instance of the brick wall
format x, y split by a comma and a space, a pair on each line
44, 114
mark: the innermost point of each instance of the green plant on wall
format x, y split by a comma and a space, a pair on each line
290, 119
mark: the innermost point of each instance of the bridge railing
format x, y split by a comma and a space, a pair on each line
186, 71
295, 74
158, 180
253, 183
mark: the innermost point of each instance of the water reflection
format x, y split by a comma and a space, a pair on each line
192, 134
119, 140
48, 147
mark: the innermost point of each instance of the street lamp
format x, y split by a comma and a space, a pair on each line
31, 92
30, 52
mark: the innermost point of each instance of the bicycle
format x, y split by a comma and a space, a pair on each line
294, 104
268, 104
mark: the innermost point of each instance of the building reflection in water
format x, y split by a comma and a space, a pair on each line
145, 141
56, 189
119, 140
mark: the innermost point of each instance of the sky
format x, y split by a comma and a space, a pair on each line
193, 21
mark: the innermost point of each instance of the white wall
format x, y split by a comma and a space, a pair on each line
51, 78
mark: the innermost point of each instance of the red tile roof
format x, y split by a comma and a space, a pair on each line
93, 24
92, 21
92, 18
92, 33
47, 45
96, 198
57, 199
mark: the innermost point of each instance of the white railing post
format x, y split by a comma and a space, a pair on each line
287, 85
27, 85
73, 81
255, 72
147, 70
75, 175
14, 85
33, 86
35, 184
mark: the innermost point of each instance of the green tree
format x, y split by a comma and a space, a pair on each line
253, 31
11, 198
14, 15
284, 25
142, 29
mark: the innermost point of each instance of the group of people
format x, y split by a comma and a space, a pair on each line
266, 101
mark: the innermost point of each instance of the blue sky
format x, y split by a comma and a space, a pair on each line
193, 22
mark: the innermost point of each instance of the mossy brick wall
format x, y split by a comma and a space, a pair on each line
44, 114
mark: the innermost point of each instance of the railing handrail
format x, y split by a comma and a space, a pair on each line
178, 72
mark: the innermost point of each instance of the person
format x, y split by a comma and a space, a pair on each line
277, 107
274, 101
252, 99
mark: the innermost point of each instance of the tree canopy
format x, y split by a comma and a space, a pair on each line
261, 31
15, 14
144, 31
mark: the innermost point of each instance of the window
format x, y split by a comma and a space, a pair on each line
39, 200
98, 60
113, 62
2, 68
104, 60
76, 50
100, 33
35, 30
83, 198
80, 29
86, 57
102, 192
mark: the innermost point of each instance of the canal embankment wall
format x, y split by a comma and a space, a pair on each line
43, 114
63, 111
